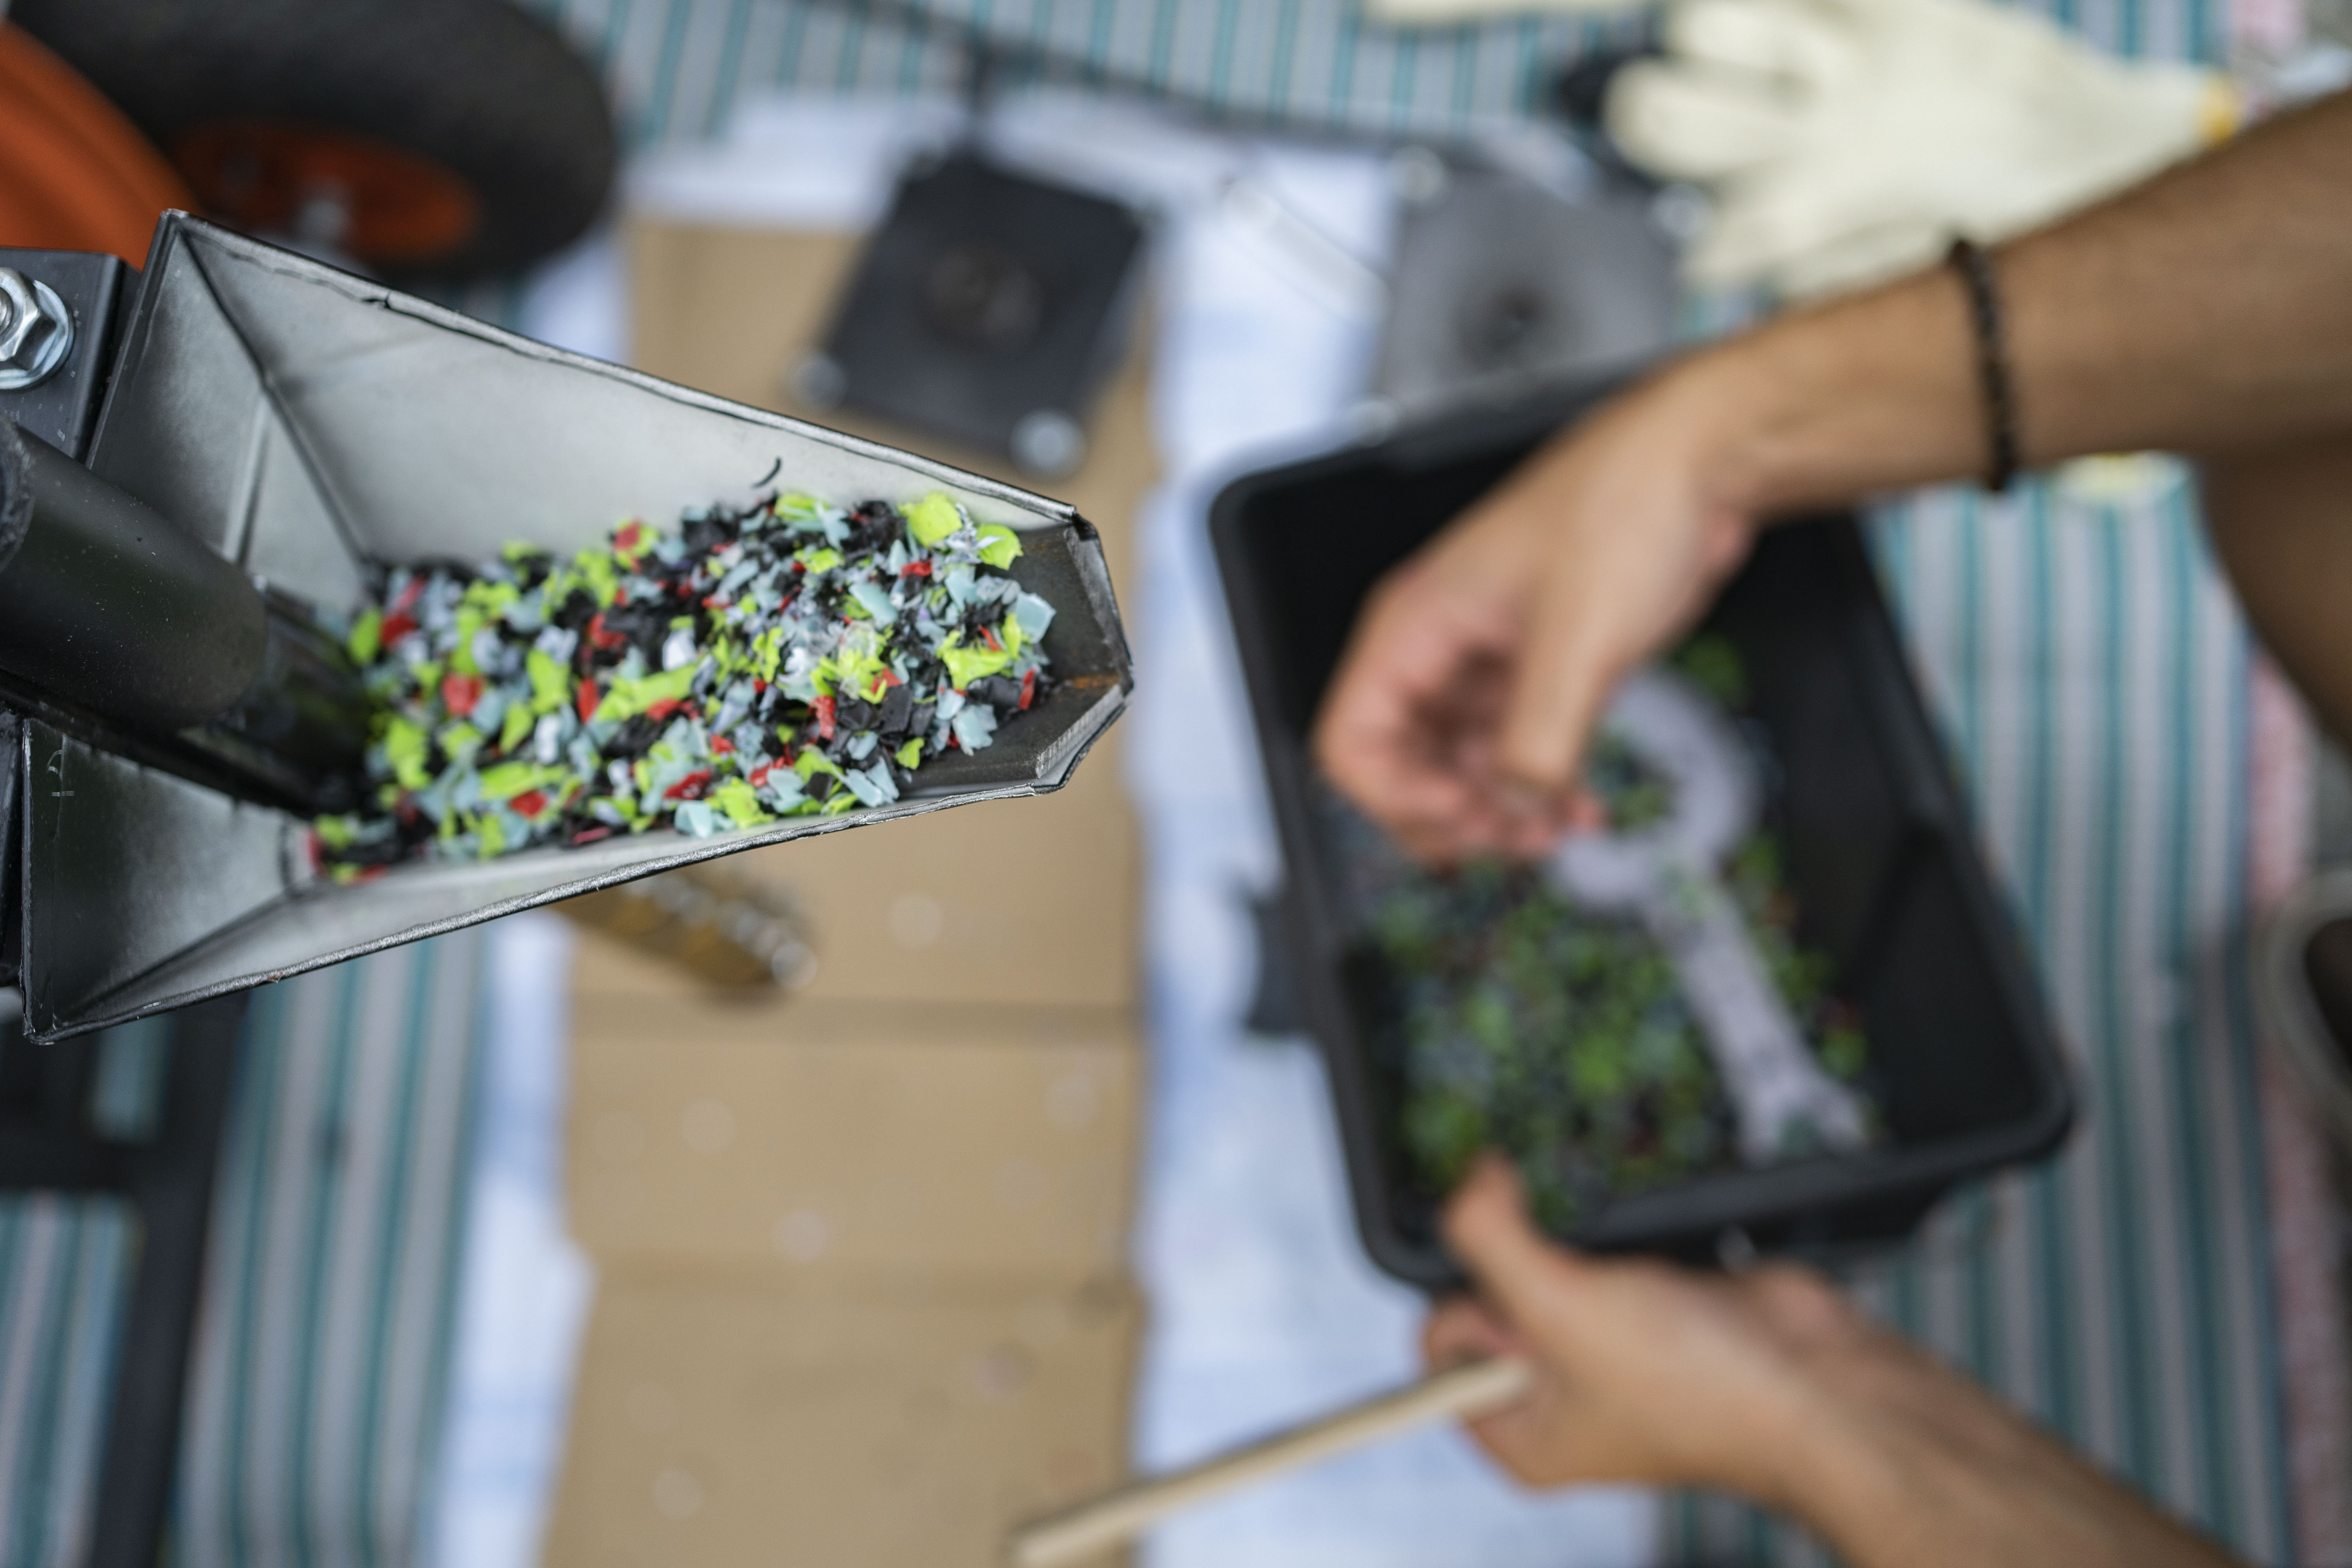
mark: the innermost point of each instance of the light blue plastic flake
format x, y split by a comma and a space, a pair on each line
874, 785
861, 745
874, 599
975, 727
1033, 614
695, 819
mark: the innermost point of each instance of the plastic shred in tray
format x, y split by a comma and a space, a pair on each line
1875, 839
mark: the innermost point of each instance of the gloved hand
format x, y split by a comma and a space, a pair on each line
1847, 140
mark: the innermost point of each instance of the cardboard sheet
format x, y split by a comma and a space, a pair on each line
843, 1142
1036, 904
732, 1426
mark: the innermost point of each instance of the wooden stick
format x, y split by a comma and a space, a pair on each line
1124, 1512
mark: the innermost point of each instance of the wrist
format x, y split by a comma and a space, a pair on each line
1826, 406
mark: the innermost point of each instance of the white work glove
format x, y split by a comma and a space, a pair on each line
1848, 140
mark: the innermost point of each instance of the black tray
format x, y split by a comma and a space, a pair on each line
1876, 841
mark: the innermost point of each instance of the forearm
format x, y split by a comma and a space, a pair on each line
1915, 1466
2209, 312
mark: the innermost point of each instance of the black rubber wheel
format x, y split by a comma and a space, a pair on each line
472, 105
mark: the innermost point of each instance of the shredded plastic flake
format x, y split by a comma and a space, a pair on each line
1512, 1018
788, 659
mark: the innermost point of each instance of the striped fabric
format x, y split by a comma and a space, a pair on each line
2090, 673
2092, 676
316, 1389
64, 1263
322, 1345
680, 65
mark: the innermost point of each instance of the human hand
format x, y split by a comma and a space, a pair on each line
1478, 667
1644, 1372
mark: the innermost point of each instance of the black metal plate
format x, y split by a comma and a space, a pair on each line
986, 298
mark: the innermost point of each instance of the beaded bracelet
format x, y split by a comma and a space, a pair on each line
1975, 268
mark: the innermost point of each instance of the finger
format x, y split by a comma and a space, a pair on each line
1460, 1331
1557, 695
1523, 1275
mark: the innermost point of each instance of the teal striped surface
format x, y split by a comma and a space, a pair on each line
63, 1266
2089, 671
2088, 667
315, 1395
321, 1349
680, 65
2091, 674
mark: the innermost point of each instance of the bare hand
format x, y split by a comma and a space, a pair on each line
1645, 1372
1478, 667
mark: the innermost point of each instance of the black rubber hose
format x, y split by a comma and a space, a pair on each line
109, 609
108, 606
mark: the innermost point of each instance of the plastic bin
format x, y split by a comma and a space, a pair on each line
1876, 842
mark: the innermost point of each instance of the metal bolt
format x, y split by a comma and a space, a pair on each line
35, 331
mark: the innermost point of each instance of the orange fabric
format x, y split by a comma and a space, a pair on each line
74, 173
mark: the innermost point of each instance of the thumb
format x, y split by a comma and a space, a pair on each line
1521, 1272
1559, 692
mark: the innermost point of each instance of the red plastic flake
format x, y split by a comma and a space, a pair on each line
586, 700
590, 835
529, 802
690, 787
407, 600
916, 569
994, 646
714, 603
720, 745
602, 637
629, 538
758, 775
396, 626
459, 693
664, 708
1028, 689
758, 684
823, 718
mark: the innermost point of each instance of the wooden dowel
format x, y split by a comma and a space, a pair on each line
1464, 1391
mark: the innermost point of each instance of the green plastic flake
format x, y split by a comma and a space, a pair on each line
999, 546
461, 656
548, 689
404, 747
966, 665
627, 698
741, 803
367, 637
597, 567
1515, 1020
659, 681
932, 519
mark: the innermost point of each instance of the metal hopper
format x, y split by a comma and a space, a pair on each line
305, 424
